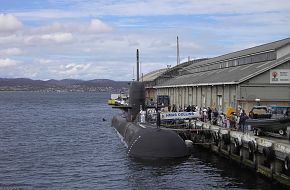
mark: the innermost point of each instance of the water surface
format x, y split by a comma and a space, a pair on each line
60, 141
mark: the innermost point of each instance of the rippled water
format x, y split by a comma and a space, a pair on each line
60, 141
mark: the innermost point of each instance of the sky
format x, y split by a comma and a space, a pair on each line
98, 39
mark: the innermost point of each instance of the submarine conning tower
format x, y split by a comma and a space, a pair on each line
136, 99
143, 139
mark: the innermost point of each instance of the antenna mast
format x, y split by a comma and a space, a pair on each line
133, 73
178, 58
137, 65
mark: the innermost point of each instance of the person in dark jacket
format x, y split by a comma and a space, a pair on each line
243, 118
215, 115
233, 120
188, 109
209, 111
174, 109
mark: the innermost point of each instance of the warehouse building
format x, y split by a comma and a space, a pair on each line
231, 80
150, 79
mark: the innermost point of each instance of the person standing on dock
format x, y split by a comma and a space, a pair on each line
169, 108
215, 115
243, 118
209, 111
188, 109
174, 109
233, 120
193, 108
204, 114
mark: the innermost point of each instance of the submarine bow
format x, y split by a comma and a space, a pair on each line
148, 142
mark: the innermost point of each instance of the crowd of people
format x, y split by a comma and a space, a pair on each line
212, 115
233, 119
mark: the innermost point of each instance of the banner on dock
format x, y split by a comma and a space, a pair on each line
179, 115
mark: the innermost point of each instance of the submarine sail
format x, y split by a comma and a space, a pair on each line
145, 140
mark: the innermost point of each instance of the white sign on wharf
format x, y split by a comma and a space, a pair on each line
178, 115
280, 76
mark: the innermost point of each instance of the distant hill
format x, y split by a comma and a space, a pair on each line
25, 84
65, 82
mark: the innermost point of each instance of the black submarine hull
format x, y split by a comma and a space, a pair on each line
146, 141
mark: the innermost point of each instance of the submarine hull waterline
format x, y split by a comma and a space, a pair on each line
146, 141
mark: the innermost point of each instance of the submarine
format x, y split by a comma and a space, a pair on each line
143, 139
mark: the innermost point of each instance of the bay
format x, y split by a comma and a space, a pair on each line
51, 140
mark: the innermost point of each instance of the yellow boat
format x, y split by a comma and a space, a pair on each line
118, 99
112, 102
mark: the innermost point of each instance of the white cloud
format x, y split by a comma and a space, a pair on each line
58, 37
49, 38
10, 51
10, 39
44, 61
73, 69
98, 39
7, 62
47, 14
93, 26
50, 28
173, 7
9, 23
99, 26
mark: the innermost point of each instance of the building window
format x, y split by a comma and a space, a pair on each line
203, 101
220, 102
233, 103
242, 61
248, 60
235, 62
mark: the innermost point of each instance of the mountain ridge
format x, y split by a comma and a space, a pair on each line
26, 84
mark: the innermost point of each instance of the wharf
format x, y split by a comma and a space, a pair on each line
267, 156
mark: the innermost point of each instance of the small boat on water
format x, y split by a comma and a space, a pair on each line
265, 120
118, 99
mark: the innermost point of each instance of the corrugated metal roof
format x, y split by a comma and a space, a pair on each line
153, 75
229, 75
175, 69
254, 50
